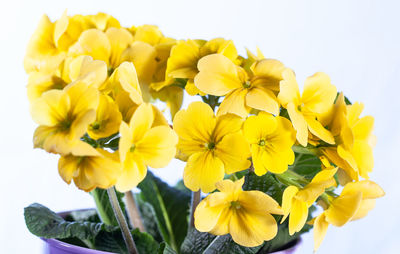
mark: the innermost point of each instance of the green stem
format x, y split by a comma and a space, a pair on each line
130, 244
304, 150
101, 209
290, 177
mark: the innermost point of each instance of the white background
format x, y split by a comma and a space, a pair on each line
356, 42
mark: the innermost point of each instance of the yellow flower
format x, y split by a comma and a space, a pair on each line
271, 139
123, 86
185, 55
141, 145
99, 170
106, 46
211, 145
42, 53
296, 202
90, 71
103, 21
221, 77
317, 98
108, 119
245, 215
355, 140
64, 116
355, 201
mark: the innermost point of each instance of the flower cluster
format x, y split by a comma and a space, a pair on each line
91, 82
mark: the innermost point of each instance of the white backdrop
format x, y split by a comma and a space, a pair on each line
356, 42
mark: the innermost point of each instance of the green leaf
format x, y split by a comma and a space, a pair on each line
307, 165
265, 183
197, 242
43, 222
171, 207
104, 207
89, 215
149, 218
165, 249
114, 242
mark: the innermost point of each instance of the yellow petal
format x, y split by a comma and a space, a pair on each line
81, 123
83, 97
368, 188
362, 153
203, 171
218, 75
268, 73
299, 124
320, 229
235, 103
143, 56
318, 130
234, 159
148, 33
51, 108
252, 229
298, 216
119, 39
158, 146
262, 99
226, 124
141, 121
133, 172
197, 122
125, 141
319, 94
259, 202
287, 198
206, 217
125, 76
93, 72
94, 43
343, 208
228, 187
365, 206
289, 89
183, 60
259, 127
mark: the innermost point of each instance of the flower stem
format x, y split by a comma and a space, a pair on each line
210, 247
133, 212
290, 177
196, 196
126, 234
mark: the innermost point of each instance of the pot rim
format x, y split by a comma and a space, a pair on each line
83, 250
72, 248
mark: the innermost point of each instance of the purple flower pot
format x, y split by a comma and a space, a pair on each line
54, 246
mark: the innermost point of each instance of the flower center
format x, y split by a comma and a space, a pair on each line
95, 125
261, 142
235, 204
246, 84
210, 146
132, 148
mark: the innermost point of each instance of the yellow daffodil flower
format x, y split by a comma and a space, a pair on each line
108, 119
317, 98
245, 215
220, 76
101, 169
271, 139
296, 202
185, 55
355, 201
211, 145
142, 144
64, 116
